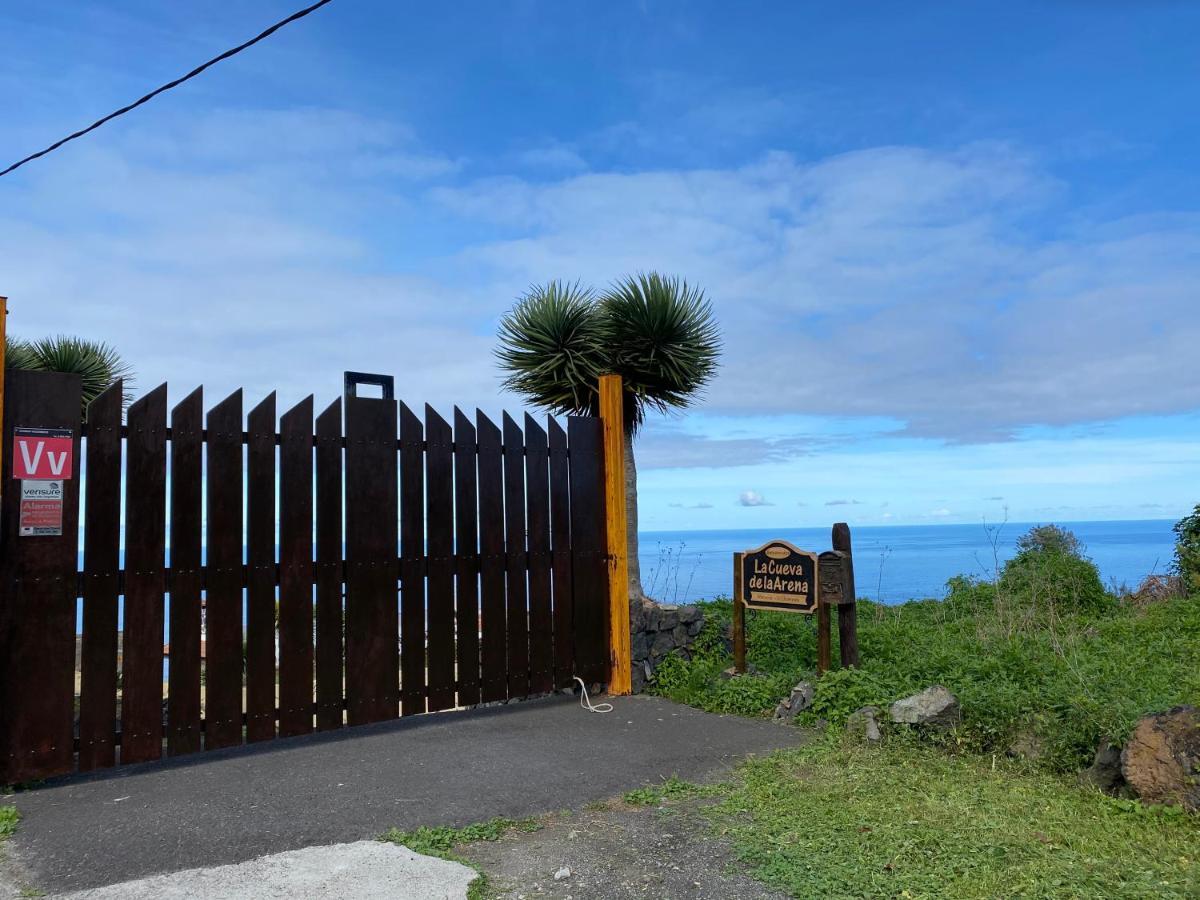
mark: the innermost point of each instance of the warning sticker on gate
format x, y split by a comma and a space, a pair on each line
43, 453
41, 509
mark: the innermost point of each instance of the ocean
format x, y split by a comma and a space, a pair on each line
893, 564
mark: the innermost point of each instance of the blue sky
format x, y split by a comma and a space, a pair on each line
954, 248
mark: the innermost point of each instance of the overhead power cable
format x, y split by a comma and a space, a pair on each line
166, 87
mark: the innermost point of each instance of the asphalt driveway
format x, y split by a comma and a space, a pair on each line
445, 769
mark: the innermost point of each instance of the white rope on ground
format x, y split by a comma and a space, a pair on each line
586, 702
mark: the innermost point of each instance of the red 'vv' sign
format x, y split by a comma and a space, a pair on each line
42, 453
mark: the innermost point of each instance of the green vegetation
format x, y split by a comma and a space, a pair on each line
903, 820
1050, 576
9, 817
1041, 652
672, 788
656, 332
1187, 550
441, 842
97, 363
1045, 663
1052, 539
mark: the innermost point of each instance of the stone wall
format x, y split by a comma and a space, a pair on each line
656, 631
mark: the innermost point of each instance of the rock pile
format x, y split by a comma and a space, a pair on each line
658, 630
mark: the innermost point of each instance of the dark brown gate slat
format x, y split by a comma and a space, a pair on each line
537, 504
223, 584
145, 539
372, 692
183, 703
260, 571
466, 554
589, 568
515, 559
37, 664
329, 567
439, 481
493, 677
412, 564
296, 569
560, 543
101, 563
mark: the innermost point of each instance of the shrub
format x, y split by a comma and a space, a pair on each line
840, 692
1049, 581
1050, 539
1187, 549
969, 594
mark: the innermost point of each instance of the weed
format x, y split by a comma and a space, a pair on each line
442, 840
671, 788
9, 817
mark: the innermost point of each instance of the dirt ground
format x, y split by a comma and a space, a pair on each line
614, 852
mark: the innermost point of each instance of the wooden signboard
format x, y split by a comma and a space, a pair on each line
779, 576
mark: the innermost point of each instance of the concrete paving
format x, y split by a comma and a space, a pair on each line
455, 768
364, 870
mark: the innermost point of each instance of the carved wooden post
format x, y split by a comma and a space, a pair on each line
739, 617
848, 610
830, 591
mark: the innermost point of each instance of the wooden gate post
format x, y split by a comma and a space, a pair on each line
37, 596
612, 417
3, 363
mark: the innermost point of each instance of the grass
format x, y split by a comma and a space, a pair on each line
442, 841
906, 820
1069, 677
671, 788
9, 817
1041, 654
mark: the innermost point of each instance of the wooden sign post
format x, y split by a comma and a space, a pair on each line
779, 576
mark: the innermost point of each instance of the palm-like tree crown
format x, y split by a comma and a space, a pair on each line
662, 340
657, 333
551, 347
97, 363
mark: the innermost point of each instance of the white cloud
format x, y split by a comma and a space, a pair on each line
895, 281
753, 498
277, 248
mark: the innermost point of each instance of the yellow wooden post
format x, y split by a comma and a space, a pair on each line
612, 416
